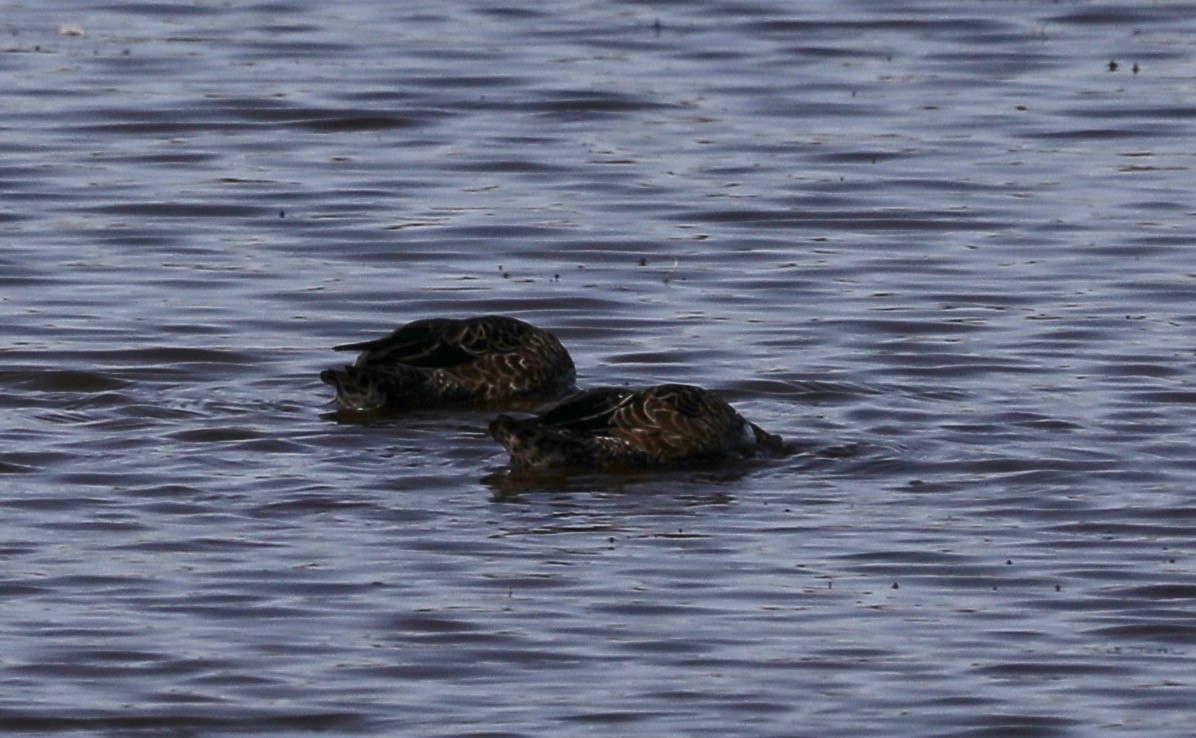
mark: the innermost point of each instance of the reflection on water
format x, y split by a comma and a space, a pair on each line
942, 250
712, 485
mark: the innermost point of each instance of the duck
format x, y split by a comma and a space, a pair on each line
487, 360
633, 428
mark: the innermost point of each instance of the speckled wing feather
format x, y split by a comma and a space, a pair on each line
672, 422
511, 359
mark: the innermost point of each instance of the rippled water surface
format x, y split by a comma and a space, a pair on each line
944, 248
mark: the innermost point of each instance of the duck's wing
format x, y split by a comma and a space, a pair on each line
675, 421
588, 412
435, 343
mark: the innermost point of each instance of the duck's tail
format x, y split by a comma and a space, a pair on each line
364, 388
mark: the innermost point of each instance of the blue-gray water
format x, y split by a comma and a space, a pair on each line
945, 248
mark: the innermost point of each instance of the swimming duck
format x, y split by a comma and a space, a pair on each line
605, 427
442, 362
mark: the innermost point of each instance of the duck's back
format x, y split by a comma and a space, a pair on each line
676, 421
435, 343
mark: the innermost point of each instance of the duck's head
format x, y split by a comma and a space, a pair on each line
534, 445
354, 389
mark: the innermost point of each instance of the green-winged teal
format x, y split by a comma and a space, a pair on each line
611, 427
489, 361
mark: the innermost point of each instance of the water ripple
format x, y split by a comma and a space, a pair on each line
941, 250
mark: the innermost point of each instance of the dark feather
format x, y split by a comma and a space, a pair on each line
432, 343
588, 411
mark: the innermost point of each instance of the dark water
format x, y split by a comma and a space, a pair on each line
943, 247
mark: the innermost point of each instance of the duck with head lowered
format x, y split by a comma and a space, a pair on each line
620, 428
485, 361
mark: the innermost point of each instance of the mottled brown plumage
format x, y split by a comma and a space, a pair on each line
665, 425
441, 362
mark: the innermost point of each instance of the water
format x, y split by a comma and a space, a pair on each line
943, 248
